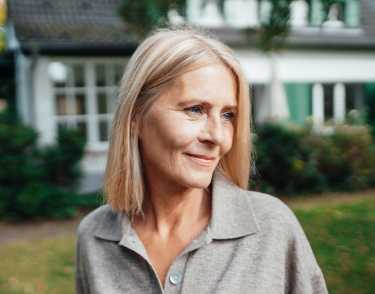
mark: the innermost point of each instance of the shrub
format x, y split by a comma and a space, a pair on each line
355, 148
17, 161
328, 158
283, 163
60, 161
294, 160
345, 157
89, 201
44, 201
37, 181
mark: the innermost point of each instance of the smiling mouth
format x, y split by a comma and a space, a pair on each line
201, 159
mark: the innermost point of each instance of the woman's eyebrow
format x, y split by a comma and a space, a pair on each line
232, 108
202, 101
191, 101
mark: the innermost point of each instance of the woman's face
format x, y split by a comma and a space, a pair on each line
189, 129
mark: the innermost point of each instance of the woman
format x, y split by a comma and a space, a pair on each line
178, 217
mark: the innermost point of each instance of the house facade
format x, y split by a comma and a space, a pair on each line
69, 57
327, 67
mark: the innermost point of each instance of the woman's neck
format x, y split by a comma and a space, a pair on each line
170, 211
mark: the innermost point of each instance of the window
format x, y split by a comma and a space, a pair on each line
333, 102
328, 102
85, 97
333, 14
354, 96
107, 78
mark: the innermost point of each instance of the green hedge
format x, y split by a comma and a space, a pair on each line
292, 160
37, 182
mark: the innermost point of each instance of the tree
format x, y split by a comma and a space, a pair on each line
142, 16
272, 34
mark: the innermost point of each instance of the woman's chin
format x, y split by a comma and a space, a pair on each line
198, 180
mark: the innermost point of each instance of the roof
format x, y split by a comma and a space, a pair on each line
82, 26
69, 25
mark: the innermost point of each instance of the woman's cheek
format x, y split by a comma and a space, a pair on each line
184, 131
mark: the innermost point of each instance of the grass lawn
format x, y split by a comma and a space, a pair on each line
342, 237
42, 266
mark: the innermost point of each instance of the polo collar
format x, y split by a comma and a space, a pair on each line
232, 214
232, 211
109, 227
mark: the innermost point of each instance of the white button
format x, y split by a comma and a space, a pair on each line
175, 278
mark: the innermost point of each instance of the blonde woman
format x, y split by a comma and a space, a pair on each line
179, 218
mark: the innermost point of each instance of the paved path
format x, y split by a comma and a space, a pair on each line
334, 198
11, 232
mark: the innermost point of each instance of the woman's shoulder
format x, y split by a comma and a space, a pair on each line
277, 222
268, 205
272, 213
280, 230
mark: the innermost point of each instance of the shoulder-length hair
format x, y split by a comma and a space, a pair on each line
156, 64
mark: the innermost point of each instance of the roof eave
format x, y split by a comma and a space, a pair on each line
78, 49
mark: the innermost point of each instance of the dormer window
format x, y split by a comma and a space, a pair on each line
335, 17
338, 14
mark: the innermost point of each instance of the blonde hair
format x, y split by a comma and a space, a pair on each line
158, 61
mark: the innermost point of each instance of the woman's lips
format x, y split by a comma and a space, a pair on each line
201, 159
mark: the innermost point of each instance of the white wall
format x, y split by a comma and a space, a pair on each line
310, 66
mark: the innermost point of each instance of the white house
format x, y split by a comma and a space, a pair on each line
70, 55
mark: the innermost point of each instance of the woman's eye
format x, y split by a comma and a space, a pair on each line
229, 115
194, 109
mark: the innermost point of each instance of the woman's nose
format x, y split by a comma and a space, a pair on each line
213, 131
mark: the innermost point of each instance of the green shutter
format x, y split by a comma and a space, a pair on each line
352, 12
369, 93
299, 101
317, 12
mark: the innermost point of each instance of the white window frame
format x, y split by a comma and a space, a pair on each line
90, 90
339, 104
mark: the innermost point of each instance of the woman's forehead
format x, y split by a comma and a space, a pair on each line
207, 82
